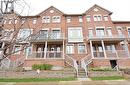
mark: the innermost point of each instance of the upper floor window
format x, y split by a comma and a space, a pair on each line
109, 32
10, 21
8, 33
119, 30
68, 19
34, 21
46, 19
24, 33
17, 49
88, 17
80, 19
105, 18
100, 32
97, 18
23, 20
56, 19
90, 32
75, 34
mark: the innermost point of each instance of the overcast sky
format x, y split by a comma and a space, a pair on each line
120, 8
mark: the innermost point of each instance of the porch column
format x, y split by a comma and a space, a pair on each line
63, 50
3, 44
104, 49
91, 47
45, 50
126, 48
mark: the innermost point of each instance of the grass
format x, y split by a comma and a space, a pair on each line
108, 78
35, 79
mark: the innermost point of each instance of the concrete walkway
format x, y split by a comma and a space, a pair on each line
110, 82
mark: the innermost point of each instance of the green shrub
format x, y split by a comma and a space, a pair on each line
41, 66
101, 69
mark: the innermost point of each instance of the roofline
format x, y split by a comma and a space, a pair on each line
121, 21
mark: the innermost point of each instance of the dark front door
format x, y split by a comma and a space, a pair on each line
113, 63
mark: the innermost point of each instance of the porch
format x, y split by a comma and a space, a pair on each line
109, 50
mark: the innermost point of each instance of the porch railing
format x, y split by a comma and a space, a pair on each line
48, 36
49, 54
122, 53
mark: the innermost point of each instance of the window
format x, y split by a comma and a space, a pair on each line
34, 21
75, 34
15, 21
129, 32
43, 34
17, 49
56, 19
28, 51
8, 33
110, 47
90, 32
81, 48
97, 18
68, 19
88, 18
100, 32
46, 19
56, 34
70, 49
80, 19
10, 21
119, 29
106, 18
24, 33
109, 32
23, 20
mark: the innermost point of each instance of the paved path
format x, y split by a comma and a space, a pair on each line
121, 82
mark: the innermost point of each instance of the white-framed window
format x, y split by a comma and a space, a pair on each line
88, 18
15, 21
28, 51
109, 31
80, 19
70, 48
34, 21
23, 20
128, 31
81, 48
10, 21
100, 32
56, 19
119, 30
17, 49
90, 32
75, 34
8, 33
68, 19
46, 19
24, 33
97, 18
56, 33
105, 18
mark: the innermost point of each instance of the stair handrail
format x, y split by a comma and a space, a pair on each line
74, 64
19, 61
86, 61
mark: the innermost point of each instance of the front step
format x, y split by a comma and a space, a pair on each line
81, 73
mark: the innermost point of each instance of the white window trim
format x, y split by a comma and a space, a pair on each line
56, 29
80, 18
68, 19
16, 53
85, 48
73, 48
106, 16
56, 20
46, 20
101, 27
97, 15
88, 16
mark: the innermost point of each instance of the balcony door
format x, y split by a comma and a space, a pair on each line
100, 32
56, 34
43, 34
109, 32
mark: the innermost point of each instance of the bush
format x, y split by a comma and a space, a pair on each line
101, 69
41, 66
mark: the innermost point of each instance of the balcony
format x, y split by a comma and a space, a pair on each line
51, 37
117, 54
49, 55
106, 38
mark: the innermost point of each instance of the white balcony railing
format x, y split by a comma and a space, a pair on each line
106, 37
49, 55
49, 36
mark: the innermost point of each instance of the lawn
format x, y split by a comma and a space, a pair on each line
35, 79
108, 78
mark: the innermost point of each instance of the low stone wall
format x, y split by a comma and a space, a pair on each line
105, 73
33, 74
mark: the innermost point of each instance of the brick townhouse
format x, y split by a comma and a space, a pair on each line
60, 39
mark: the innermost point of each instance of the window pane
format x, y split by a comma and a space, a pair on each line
70, 49
81, 48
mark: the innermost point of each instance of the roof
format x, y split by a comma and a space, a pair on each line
116, 22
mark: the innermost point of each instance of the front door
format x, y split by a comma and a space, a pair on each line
113, 63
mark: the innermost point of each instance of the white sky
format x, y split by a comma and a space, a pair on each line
120, 8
